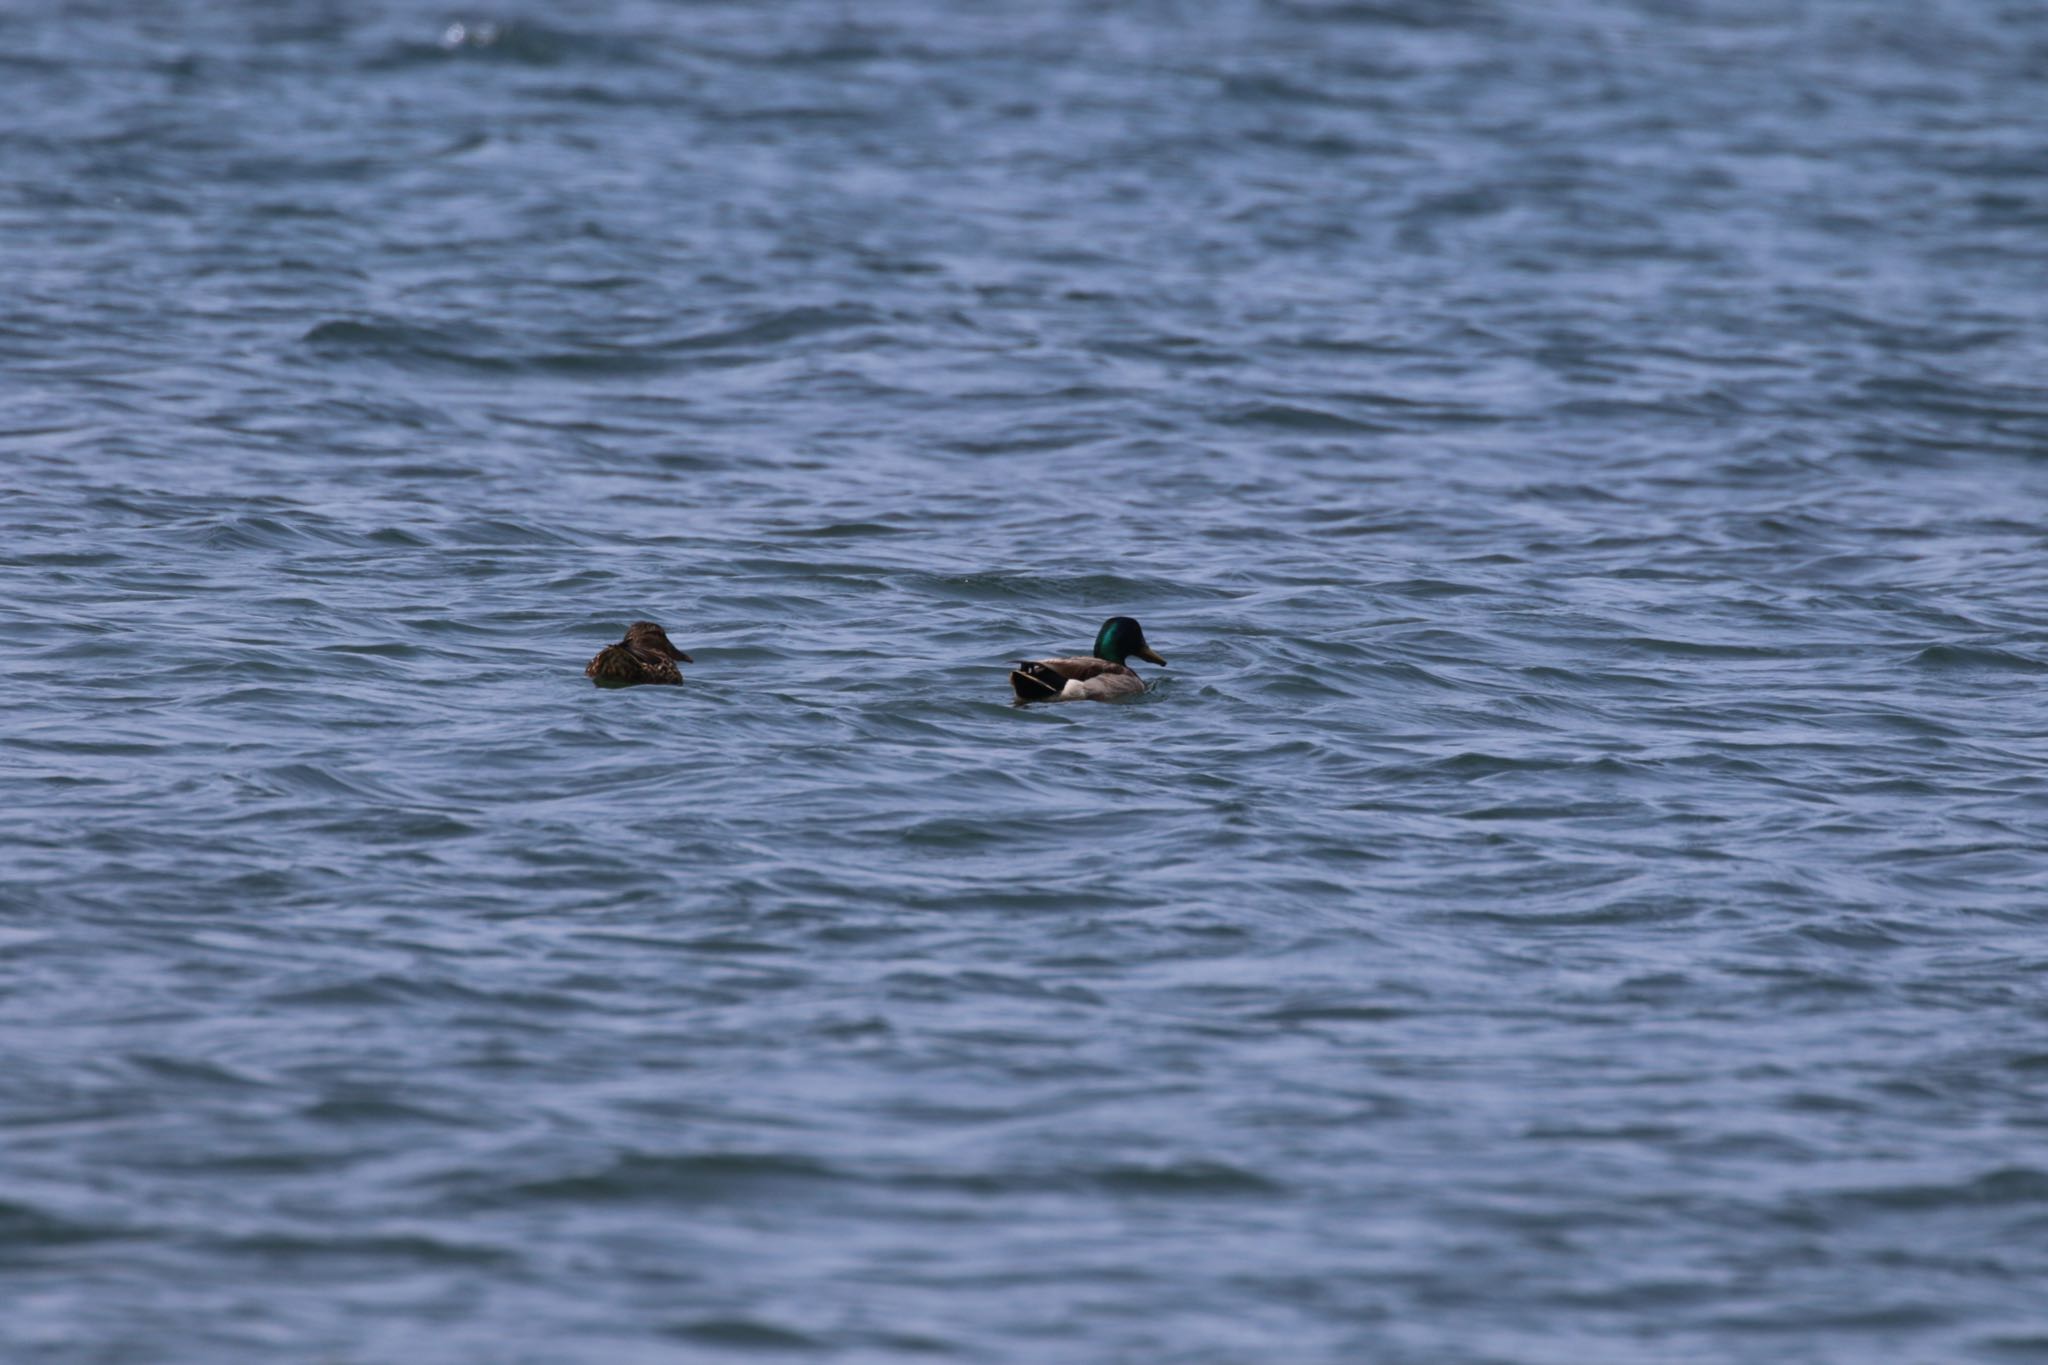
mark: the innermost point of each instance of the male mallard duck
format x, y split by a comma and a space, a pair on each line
644, 656
1091, 679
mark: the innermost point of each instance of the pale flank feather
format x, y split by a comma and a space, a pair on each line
1120, 682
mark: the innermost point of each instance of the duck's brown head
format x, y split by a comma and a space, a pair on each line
647, 638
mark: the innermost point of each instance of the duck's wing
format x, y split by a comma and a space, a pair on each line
1035, 682
613, 666
622, 666
1077, 669
1076, 679
659, 668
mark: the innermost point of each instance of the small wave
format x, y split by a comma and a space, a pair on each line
470, 346
500, 531
2005, 1187
1976, 657
387, 339
1424, 15
1189, 1178
24, 1226
745, 1334
1700, 649
711, 1176
1336, 1014
517, 42
413, 1247
1292, 417
784, 324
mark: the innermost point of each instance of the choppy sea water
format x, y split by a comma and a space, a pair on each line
1577, 893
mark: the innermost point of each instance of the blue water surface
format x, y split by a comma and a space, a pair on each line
1576, 895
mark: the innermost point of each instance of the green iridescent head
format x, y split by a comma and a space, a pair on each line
1120, 638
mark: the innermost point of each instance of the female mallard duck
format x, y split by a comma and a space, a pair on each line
644, 656
1092, 679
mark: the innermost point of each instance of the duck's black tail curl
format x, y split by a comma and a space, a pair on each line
1035, 682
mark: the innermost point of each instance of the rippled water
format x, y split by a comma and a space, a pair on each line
1577, 894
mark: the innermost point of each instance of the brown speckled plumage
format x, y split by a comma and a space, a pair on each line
644, 656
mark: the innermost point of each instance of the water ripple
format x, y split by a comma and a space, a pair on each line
1575, 890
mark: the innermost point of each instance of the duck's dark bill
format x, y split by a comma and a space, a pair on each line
1147, 655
